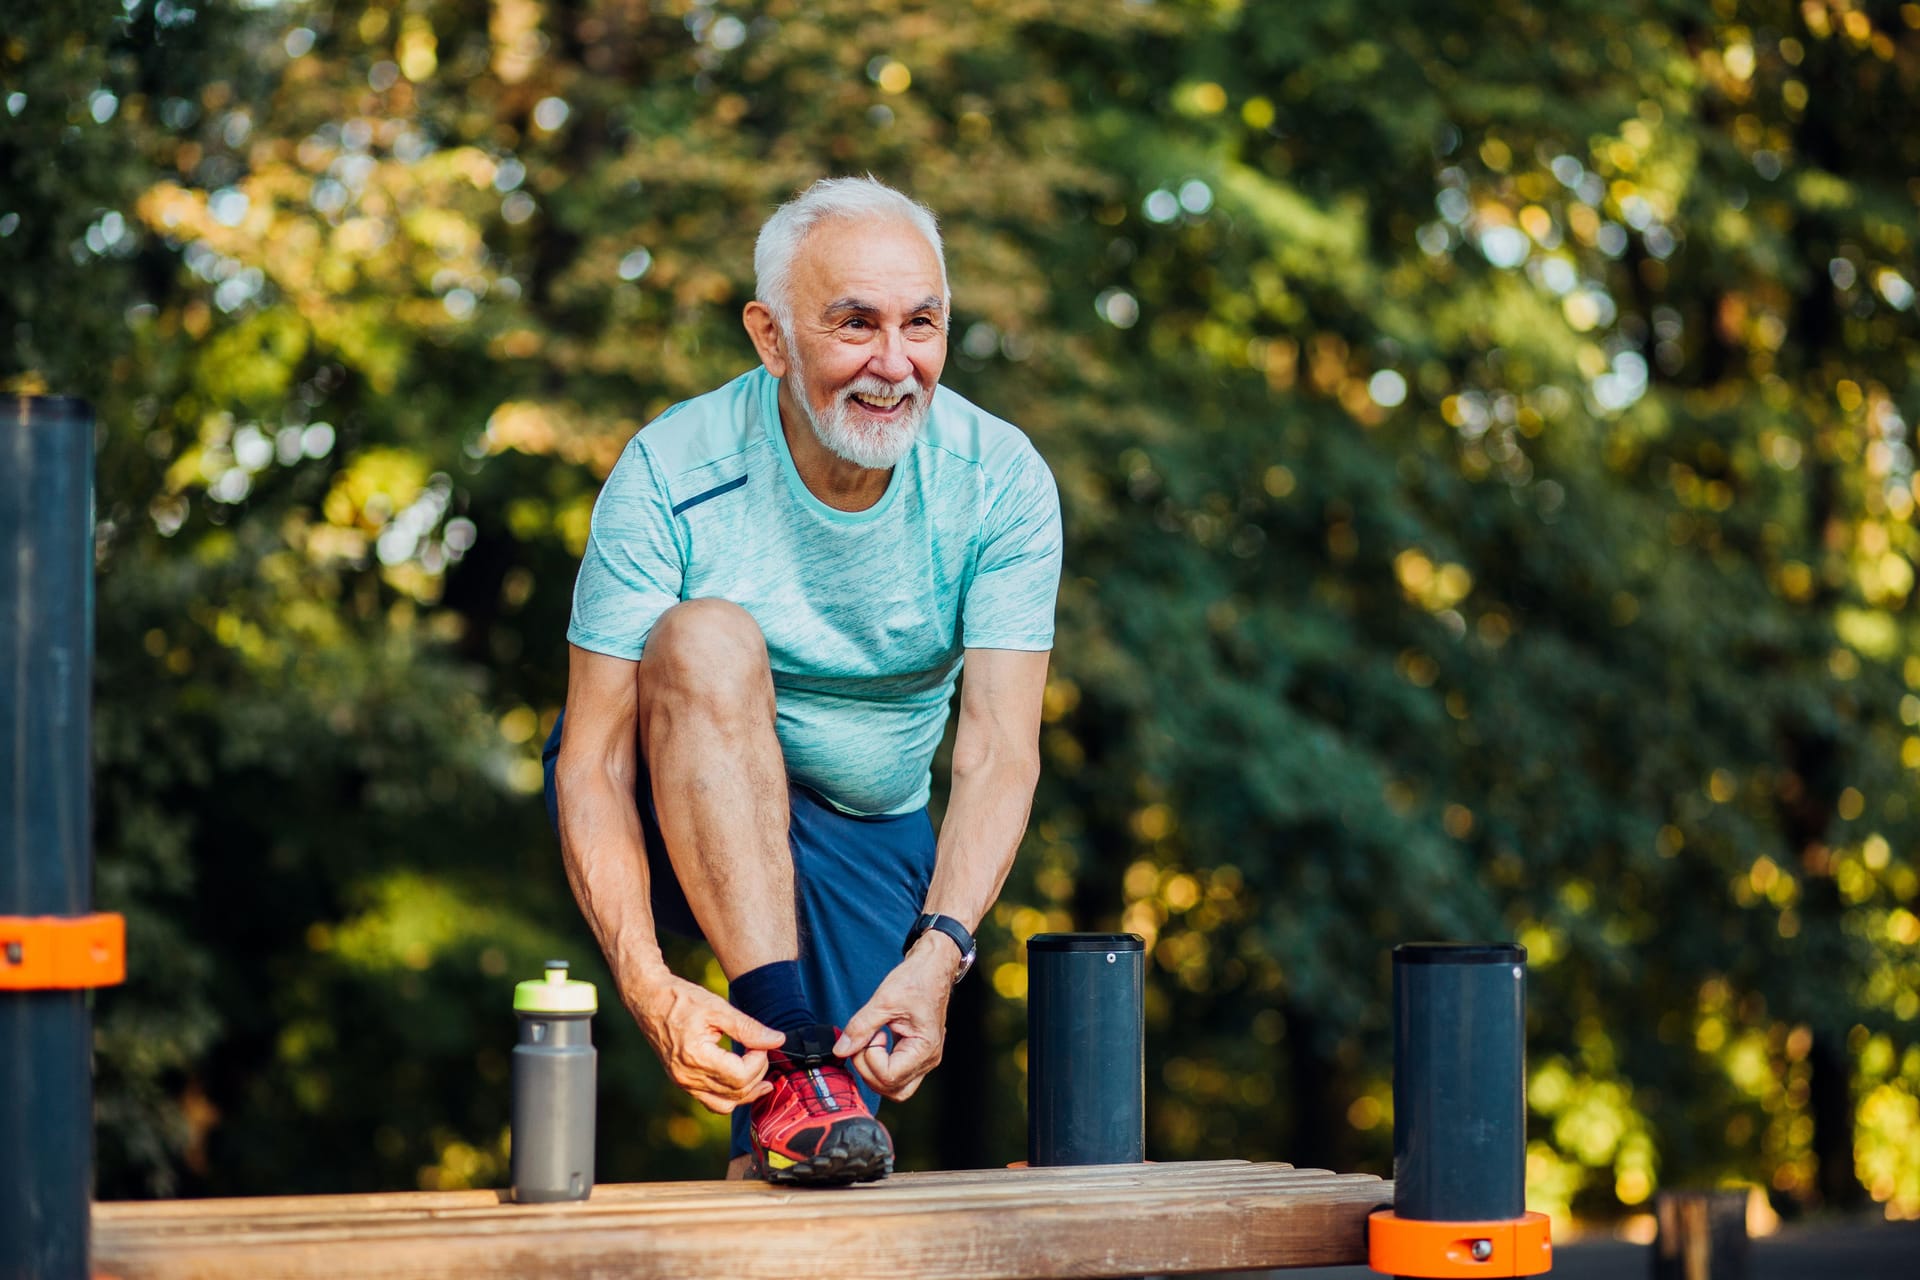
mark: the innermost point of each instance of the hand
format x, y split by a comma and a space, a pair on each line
685, 1021
911, 1003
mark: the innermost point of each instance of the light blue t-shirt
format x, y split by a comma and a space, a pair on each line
866, 613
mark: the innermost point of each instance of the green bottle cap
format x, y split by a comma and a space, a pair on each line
555, 993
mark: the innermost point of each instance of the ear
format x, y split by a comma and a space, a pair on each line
764, 330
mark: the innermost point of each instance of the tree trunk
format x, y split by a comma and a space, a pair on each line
964, 1130
1830, 1098
1310, 1096
1703, 1235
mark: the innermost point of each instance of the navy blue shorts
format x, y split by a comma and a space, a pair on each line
860, 882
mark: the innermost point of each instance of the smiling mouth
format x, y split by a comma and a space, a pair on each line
878, 404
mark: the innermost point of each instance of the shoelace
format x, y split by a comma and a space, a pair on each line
821, 1093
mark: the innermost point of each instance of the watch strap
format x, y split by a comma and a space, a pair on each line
954, 930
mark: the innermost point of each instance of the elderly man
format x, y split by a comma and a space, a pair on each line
783, 580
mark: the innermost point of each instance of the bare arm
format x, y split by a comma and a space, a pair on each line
996, 762
600, 839
606, 863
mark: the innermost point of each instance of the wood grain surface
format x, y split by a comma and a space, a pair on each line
1000, 1224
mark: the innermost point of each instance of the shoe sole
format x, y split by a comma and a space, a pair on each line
860, 1153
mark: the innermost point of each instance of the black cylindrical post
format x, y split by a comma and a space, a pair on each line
1459, 1082
1459, 1118
1086, 1041
46, 870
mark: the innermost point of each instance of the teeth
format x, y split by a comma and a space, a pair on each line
878, 402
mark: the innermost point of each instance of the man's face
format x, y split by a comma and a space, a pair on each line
869, 336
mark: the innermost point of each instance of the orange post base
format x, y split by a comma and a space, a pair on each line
1445, 1250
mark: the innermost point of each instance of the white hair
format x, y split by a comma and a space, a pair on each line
782, 234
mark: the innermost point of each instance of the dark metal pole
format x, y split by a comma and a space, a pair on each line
1086, 1039
46, 837
1459, 1118
1459, 1082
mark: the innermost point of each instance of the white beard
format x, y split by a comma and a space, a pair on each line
841, 428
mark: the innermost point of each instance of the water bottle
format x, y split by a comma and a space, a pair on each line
554, 1070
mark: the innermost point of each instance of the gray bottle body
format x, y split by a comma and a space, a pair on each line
1086, 1038
555, 1076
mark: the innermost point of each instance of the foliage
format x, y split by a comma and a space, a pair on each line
1484, 438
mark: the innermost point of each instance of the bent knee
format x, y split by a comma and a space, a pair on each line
709, 648
710, 630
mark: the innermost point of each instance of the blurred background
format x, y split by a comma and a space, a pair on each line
1483, 432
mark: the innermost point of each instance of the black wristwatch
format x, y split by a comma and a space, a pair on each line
954, 930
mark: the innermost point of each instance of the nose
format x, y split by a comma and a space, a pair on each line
889, 358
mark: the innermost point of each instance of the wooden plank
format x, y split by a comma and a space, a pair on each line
674, 1198
978, 1225
247, 1206
1082, 1242
529, 1222
524, 1220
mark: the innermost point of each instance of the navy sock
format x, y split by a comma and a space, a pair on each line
772, 995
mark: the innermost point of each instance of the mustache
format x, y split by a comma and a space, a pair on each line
868, 385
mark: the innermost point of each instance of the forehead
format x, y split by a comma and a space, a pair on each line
876, 259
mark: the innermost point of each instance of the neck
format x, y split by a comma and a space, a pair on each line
842, 485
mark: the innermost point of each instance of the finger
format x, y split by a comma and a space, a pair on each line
901, 1086
905, 1067
871, 1066
741, 1029
897, 1077
861, 1030
725, 1071
722, 1098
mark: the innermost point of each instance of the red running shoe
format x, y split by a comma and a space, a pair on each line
814, 1129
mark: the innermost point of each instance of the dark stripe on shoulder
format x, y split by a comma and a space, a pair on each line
714, 492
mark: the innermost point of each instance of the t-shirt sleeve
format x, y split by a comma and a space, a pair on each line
1009, 603
633, 567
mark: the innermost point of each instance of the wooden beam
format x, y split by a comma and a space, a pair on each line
1113, 1220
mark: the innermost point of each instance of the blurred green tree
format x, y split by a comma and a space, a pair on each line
1484, 439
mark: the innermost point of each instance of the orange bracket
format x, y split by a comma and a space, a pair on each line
45, 953
1444, 1250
